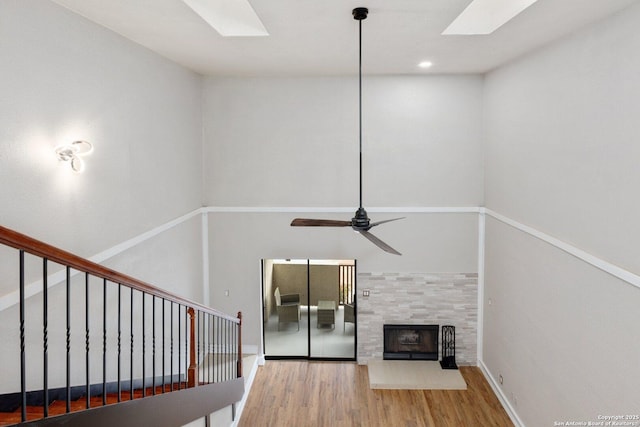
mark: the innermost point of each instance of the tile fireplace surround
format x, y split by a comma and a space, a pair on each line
418, 298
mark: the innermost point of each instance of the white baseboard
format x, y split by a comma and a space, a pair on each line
498, 391
247, 388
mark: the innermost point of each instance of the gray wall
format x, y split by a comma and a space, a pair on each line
277, 144
562, 157
64, 78
294, 141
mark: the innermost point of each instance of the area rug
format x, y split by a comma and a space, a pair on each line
413, 375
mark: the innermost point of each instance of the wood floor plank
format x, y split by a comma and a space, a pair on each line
301, 393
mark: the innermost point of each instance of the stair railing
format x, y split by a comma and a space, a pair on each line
186, 343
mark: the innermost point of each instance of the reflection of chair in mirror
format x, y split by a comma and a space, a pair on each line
288, 307
349, 315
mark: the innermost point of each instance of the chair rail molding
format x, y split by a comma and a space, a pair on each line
35, 288
11, 299
325, 209
619, 272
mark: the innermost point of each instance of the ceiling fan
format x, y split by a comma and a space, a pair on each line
360, 222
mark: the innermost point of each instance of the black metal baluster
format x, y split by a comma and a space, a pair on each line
131, 353
153, 333
163, 343
210, 353
207, 342
23, 377
221, 345
232, 349
236, 357
179, 347
104, 342
225, 331
119, 342
225, 334
205, 358
171, 346
211, 350
205, 348
227, 350
198, 337
214, 343
205, 352
237, 343
186, 345
144, 378
45, 355
205, 355
217, 319
86, 323
68, 397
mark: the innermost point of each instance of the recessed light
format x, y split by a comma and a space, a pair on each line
425, 64
486, 16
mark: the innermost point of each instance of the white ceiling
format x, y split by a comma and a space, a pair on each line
320, 37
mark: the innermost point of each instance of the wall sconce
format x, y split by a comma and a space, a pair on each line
72, 153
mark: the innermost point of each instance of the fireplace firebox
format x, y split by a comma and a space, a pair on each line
417, 342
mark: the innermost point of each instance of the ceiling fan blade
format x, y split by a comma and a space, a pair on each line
379, 243
373, 224
307, 222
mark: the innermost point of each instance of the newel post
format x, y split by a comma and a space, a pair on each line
240, 344
192, 374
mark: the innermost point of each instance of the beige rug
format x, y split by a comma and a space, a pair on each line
413, 375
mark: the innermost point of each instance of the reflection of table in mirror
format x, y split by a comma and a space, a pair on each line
326, 313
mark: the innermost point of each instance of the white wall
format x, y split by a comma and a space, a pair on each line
294, 142
561, 157
562, 140
287, 142
429, 242
64, 78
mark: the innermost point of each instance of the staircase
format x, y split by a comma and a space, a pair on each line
59, 407
162, 359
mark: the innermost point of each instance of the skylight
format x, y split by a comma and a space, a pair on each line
486, 16
230, 18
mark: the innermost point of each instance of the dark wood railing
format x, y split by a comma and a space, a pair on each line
205, 342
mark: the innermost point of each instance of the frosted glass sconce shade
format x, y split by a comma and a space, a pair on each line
73, 153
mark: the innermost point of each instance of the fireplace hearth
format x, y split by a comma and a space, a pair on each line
411, 342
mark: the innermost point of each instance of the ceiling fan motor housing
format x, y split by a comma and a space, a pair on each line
361, 219
360, 13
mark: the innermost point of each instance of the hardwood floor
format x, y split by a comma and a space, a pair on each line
300, 393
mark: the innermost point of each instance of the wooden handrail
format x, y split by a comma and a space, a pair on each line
196, 334
36, 247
